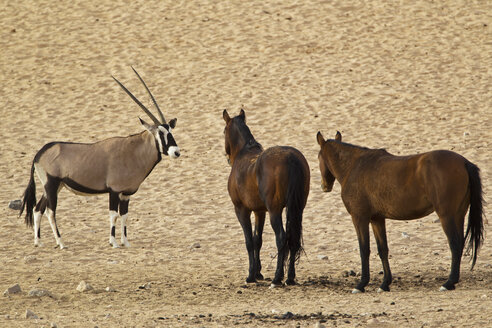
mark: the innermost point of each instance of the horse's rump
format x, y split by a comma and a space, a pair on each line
276, 168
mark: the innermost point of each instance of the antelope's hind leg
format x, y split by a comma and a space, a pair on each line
38, 214
124, 201
52, 188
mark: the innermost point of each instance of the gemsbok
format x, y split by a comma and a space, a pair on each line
116, 165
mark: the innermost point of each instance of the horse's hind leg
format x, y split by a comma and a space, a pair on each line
280, 238
52, 188
362, 228
244, 217
454, 232
379, 229
38, 213
258, 241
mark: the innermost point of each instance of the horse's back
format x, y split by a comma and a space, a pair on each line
407, 187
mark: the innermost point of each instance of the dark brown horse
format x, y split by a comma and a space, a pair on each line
377, 185
266, 180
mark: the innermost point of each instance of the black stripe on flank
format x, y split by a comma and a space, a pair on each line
80, 188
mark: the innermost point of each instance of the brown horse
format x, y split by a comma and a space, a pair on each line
266, 180
377, 185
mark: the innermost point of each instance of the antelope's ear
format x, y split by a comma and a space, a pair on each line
242, 114
172, 123
338, 136
226, 116
147, 126
321, 140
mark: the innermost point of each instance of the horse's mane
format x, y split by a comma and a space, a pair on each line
250, 142
379, 150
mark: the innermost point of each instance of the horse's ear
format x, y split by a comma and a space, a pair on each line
321, 140
338, 137
242, 114
226, 116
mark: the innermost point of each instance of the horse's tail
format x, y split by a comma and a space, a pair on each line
296, 200
475, 230
29, 199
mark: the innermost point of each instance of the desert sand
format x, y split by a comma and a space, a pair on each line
408, 76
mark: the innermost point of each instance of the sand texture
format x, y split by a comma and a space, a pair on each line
408, 76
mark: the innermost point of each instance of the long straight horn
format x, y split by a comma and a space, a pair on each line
151, 96
156, 121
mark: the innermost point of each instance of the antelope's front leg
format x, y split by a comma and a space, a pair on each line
124, 200
114, 202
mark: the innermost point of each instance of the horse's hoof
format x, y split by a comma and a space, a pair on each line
250, 280
290, 282
380, 290
356, 291
443, 289
272, 285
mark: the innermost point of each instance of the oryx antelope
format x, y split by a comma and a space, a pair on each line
115, 165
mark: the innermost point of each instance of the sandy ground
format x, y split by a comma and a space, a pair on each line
409, 77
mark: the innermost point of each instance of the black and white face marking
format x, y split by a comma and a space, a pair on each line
166, 142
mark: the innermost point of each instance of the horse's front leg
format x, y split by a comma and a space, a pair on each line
258, 241
362, 228
280, 238
244, 217
379, 229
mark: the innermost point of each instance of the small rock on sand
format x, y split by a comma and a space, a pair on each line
145, 286
84, 287
12, 290
31, 315
29, 259
195, 245
15, 204
38, 293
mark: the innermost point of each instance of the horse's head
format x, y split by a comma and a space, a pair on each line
327, 177
237, 134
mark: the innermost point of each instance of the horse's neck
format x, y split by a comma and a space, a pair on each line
245, 149
343, 158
